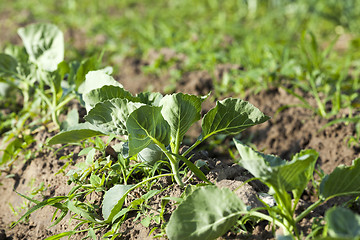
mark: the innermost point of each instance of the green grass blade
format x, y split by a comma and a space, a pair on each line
47, 202
193, 168
61, 235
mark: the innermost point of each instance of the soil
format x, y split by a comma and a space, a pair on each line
289, 131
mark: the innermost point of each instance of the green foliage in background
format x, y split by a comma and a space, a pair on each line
307, 44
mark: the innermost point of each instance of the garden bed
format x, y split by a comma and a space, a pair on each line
289, 131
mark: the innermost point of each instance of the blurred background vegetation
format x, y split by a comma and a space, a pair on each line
307, 44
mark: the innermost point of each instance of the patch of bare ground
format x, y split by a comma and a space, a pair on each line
297, 128
24, 177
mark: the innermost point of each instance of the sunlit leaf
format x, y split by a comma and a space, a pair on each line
280, 174
85, 66
208, 213
14, 147
151, 154
343, 223
342, 181
44, 43
145, 125
8, 65
113, 201
150, 98
95, 80
107, 92
258, 164
110, 116
180, 111
76, 134
72, 119
231, 116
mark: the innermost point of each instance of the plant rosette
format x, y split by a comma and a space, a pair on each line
155, 122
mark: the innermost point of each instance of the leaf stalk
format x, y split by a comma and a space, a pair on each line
173, 162
308, 210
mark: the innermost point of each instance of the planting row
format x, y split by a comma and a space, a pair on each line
149, 130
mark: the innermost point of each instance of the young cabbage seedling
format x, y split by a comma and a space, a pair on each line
156, 124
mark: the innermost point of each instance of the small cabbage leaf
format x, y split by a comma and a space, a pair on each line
107, 92
87, 65
343, 223
150, 98
258, 164
231, 116
95, 80
279, 174
207, 213
76, 71
12, 149
72, 119
8, 65
110, 116
113, 201
22, 58
44, 43
5, 89
343, 180
146, 125
180, 111
151, 154
75, 134
296, 174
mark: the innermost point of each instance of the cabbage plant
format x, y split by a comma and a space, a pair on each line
45, 81
155, 125
32, 69
39, 72
286, 181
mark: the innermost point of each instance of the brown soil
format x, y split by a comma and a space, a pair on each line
285, 134
298, 128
